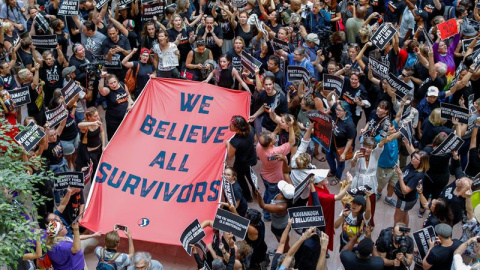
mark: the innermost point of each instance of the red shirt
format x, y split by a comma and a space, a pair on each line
327, 201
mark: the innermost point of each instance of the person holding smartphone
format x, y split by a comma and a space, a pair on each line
109, 255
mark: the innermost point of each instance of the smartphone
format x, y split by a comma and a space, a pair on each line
363, 150
347, 206
121, 227
272, 158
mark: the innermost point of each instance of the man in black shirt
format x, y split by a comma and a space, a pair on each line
115, 47
213, 36
362, 259
273, 65
440, 253
389, 245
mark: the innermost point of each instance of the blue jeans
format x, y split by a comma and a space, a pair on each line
336, 167
59, 168
271, 190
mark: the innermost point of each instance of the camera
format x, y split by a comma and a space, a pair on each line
402, 240
94, 69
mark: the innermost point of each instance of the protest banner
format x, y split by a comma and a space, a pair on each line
297, 73
421, 238
191, 235
333, 83
322, 128
42, 23
407, 108
239, 3
228, 222
401, 88
100, 3
45, 41
152, 9
379, 69
70, 90
448, 29
30, 136
301, 187
407, 131
55, 116
20, 96
173, 161
450, 111
451, 143
279, 44
306, 216
169, 57
69, 8
68, 179
249, 62
228, 191
383, 35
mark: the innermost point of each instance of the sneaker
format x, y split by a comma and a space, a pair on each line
378, 196
272, 252
391, 202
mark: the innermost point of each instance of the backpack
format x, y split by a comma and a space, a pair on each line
131, 78
107, 263
385, 237
449, 13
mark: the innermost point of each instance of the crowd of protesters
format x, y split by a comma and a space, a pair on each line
103, 47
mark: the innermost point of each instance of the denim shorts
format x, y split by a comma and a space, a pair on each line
69, 147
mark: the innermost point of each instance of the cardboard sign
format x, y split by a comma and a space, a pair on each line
124, 2
306, 217
450, 111
229, 222
383, 35
401, 88
100, 4
45, 41
239, 3
249, 62
42, 23
228, 191
407, 108
379, 69
322, 128
69, 8
333, 83
170, 58
296, 73
448, 29
20, 96
421, 238
451, 143
30, 136
301, 187
407, 131
66, 179
152, 9
191, 235
254, 177
55, 116
70, 90
279, 44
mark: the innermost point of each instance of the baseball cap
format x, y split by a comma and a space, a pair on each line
443, 230
144, 50
312, 38
360, 200
68, 70
469, 30
288, 190
422, 13
365, 247
432, 91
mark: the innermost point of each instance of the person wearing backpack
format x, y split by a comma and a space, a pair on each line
108, 257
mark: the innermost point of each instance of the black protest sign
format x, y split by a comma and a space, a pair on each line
466, 43
407, 108
383, 35
100, 3
322, 128
333, 83
70, 90
55, 116
191, 235
450, 111
206, 266
69, 8
66, 179
20, 96
401, 88
306, 216
249, 62
124, 2
254, 177
116, 63
42, 23
45, 41
427, 38
421, 238
379, 69
152, 9
228, 191
296, 73
407, 131
30, 136
476, 183
229, 222
301, 187
239, 3
279, 44
200, 244
451, 143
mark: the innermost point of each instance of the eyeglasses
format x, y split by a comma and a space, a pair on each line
416, 157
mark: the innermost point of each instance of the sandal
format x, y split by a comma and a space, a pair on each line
334, 182
322, 159
330, 174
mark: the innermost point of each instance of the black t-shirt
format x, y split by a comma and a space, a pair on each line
8, 82
52, 76
410, 178
227, 28
441, 257
236, 60
385, 245
72, 210
349, 93
184, 46
280, 79
242, 207
394, 11
457, 204
118, 57
70, 131
117, 103
210, 41
342, 130
464, 92
245, 149
473, 167
390, 59
54, 153
376, 125
80, 71
438, 164
247, 37
282, 107
36, 97
143, 75
27, 58
350, 261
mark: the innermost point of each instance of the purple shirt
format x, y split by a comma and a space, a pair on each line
63, 259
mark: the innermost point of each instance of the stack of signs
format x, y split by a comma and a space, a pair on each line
152, 9
55, 116
229, 222
66, 179
191, 235
322, 128
41, 22
379, 69
448, 29
450, 111
279, 44
332, 83
239, 3
383, 35
70, 90
407, 131
421, 240
451, 143
30, 136
69, 8
228, 191
401, 88
301, 187
45, 41
466, 43
20, 96
100, 4
296, 73
306, 217
249, 62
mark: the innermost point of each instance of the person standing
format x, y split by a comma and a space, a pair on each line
440, 252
